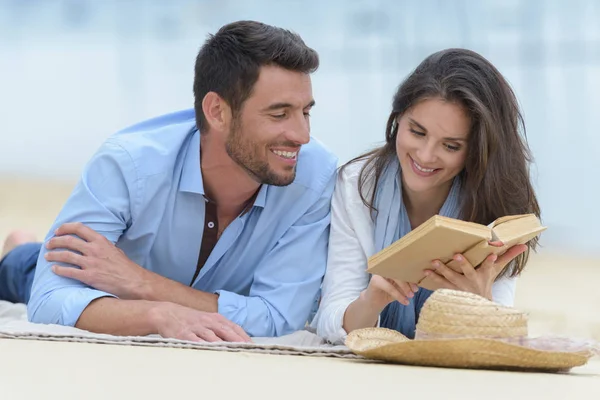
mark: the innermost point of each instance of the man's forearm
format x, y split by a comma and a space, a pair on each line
141, 318
119, 317
164, 289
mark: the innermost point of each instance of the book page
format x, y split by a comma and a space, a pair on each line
514, 230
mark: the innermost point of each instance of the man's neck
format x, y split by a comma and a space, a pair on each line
225, 182
420, 206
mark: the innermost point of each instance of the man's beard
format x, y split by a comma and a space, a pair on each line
248, 155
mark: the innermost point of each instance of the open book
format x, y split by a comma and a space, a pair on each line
441, 238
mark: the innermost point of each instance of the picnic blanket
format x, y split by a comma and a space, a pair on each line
14, 325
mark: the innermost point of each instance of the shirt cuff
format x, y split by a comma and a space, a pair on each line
73, 304
232, 306
338, 334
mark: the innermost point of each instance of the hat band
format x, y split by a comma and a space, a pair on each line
420, 335
546, 343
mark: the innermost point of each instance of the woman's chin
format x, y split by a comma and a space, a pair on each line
416, 187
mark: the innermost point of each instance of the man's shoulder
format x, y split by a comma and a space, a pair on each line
155, 144
316, 165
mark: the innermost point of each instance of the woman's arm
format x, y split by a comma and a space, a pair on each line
350, 300
346, 275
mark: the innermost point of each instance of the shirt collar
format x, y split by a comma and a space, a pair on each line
261, 197
191, 175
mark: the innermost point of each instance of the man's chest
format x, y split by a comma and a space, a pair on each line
193, 250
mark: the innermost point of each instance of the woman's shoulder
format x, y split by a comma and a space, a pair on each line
350, 205
350, 179
351, 170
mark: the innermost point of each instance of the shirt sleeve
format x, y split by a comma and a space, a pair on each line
346, 275
102, 201
503, 291
286, 282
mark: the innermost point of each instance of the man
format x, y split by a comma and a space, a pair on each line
207, 224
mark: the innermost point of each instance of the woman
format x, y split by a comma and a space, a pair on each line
453, 147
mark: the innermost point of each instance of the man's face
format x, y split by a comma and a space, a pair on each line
273, 124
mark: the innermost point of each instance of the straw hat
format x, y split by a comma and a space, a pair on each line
463, 330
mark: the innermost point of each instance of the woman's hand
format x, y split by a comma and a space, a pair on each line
365, 310
382, 291
478, 281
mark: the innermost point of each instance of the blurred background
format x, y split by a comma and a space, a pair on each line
72, 72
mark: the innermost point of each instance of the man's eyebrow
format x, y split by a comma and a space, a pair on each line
280, 105
454, 139
277, 106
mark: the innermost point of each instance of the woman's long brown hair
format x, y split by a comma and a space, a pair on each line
495, 180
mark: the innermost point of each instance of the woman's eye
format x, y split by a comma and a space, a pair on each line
452, 147
417, 133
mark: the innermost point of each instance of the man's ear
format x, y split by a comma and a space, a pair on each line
216, 111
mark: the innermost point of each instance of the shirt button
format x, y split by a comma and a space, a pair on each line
211, 224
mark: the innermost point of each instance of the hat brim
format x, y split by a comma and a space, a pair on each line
390, 346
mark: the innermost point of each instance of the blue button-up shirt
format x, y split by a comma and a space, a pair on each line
143, 190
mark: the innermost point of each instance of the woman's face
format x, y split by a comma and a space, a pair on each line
432, 145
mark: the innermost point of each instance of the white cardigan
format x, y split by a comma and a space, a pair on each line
351, 243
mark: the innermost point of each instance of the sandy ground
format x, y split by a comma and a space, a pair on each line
560, 292
89, 371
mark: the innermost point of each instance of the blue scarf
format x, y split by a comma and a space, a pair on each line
392, 223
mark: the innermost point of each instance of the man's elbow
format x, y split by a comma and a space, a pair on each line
36, 314
40, 311
269, 326
281, 326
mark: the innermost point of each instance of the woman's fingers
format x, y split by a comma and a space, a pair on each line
439, 281
404, 287
511, 253
414, 287
466, 267
394, 291
456, 278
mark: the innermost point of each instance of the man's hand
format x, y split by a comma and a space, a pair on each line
174, 321
103, 265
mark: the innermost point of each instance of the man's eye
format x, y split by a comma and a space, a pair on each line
278, 116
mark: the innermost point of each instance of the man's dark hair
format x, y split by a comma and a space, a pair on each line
229, 62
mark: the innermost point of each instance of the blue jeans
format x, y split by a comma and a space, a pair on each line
17, 270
